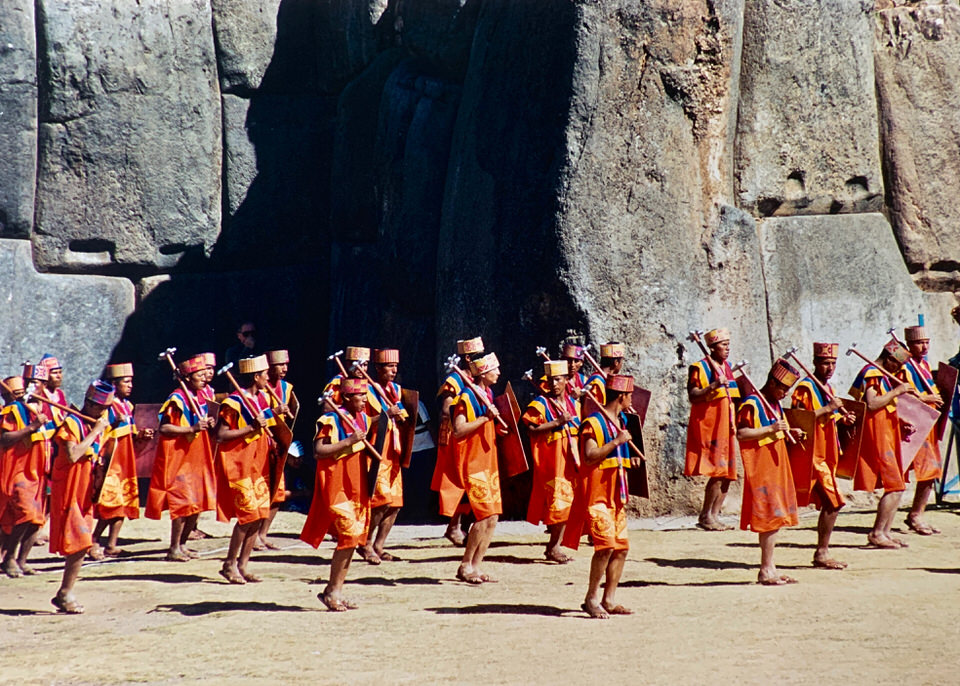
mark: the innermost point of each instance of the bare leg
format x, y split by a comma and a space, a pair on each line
251, 532
367, 551
825, 524
478, 540
230, 570
115, 525
886, 510
189, 526
386, 524
598, 568
175, 553
10, 545
713, 497
265, 527
553, 551
99, 529
454, 533
65, 600
920, 499
31, 531
332, 595
769, 574
613, 574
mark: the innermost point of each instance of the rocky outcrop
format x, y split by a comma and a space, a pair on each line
76, 318
129, 138
807, 133
917, 54
18, 118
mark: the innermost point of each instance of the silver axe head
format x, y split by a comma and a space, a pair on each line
528, 375
851, 349
225, 368
166, 354
336, 354
453, 361
790, 352
541, 350
739, 365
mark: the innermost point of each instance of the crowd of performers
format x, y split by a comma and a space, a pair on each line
76, 467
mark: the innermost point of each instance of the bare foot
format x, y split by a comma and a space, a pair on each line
595, 610
26, 569
455, 536
270, 546
259, 545
333, 603
12, 569
387, 557
232, 575
617, 609
189, 552
776, 580
369, 556
113, 552
828, 563
882, 542
471, 577
67, 604
915, 523
96, 553
177, 556
558, 557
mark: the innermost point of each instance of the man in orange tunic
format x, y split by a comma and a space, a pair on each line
75, 447
600, 499
711, 451
25, 431
119, 495
879, 461
551, 421
183, 480
573, 354
821, 491
611, 361
474, 473
769, 496
340, 496
387, 497
927, 464
243, 466
284, 403
468, 349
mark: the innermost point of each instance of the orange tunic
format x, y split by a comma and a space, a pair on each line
388, 489
23, 468
452, 387
243, 465
183, 478
879, 461
600, 493
340, 498
927, 463
71, 509
120, 495
474, 469
826, 449
711, 448
553, 468
769, 496
284, 391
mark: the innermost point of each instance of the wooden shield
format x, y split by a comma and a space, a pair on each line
510, 446
146, 416
213, 410
639, 403
745, 386
408, 429
850, 438
923, 418
282, 438
946, 381
636, 476
801, 452
294, 408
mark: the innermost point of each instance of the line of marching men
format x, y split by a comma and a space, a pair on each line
586, 460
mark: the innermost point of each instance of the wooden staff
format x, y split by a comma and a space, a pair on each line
168, 356
923, 380
823, 387
26, 398
273, 394
378, 388
327, 399
336, 358
894, 380
244, 396
613, 421
768, 408
452, 362
596, 365
574, 448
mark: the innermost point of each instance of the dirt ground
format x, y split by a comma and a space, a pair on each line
892, 617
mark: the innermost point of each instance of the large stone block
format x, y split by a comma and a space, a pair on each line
608, 224
807, 139
438, 31
917, 54
129, 151
246, 34
842, 279
77, 318
18, 117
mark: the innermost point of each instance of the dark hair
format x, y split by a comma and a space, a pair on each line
614, 395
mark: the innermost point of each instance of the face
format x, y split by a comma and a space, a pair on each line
387, 372
278, 371
778, 391
357, 368
617, 365
247, 335
891, 365
208, 375
720, 351
824, 367
490, 378
556, 384
919, 349
197, 380
55, 378
575, 364
355, 402
124, 386
260, 379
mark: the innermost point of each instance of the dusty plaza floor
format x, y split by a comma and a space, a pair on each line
892, 617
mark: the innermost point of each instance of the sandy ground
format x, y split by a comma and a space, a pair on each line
892, 617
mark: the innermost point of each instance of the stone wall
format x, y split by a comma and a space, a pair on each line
409, 172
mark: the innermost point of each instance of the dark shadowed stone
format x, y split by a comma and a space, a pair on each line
807, 123
76, 318
842, 280
129, 144
917, 51
439, 32
18, 117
